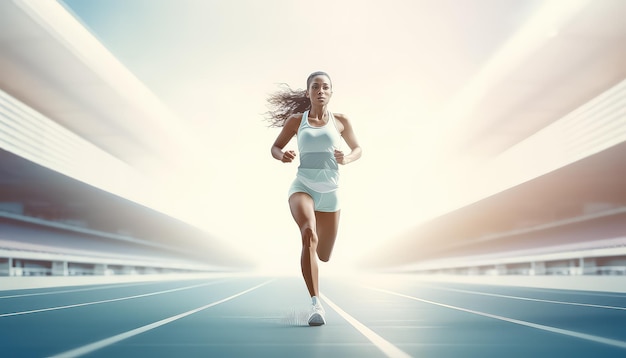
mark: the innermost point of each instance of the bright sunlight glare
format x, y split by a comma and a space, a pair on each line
213, 64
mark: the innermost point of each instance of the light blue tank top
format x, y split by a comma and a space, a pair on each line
318, 168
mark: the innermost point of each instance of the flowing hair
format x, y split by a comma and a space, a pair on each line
286, 102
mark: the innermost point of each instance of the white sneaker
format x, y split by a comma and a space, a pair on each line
316, 318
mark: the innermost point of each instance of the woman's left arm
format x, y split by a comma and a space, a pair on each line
348, 135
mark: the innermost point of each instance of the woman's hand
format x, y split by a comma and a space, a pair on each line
340, 157
288, 156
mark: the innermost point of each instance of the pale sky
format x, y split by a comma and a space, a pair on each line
395, 65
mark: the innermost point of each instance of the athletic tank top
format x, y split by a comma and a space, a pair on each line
318, 168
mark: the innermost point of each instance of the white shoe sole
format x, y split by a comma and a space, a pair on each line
316, 319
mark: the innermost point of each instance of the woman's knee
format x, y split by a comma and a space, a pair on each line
325, 246
325, 257
309, 236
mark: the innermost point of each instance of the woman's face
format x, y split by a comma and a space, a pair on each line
320, 90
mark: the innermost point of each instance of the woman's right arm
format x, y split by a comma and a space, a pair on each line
288, 131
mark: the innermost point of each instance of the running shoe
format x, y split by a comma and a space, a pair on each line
316, 318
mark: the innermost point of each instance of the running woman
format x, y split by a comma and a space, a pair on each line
313, 198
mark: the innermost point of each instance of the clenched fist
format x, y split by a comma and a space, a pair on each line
288, 156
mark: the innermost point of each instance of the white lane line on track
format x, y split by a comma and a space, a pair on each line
585, 336
529, 299
120, 337
74, 290
106, 301
385, 346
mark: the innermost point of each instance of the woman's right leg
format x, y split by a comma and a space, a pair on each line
303, 212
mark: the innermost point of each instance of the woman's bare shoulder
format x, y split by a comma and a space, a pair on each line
293, 122
342, 119
294, 118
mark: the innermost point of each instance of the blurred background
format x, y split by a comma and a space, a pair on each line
133, 136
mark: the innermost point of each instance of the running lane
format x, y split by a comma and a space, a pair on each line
266, 317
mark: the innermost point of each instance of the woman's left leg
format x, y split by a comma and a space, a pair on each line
327, 226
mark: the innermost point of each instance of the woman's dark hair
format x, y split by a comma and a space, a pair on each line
286, 101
